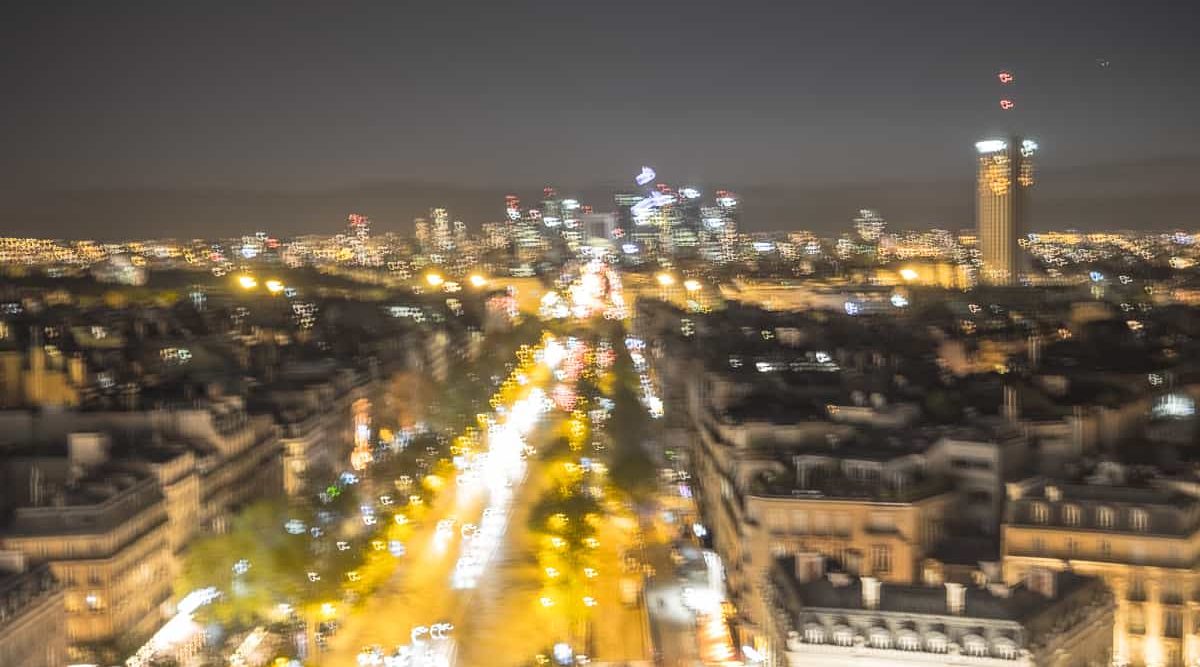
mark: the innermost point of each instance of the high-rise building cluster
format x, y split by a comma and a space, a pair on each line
659, 224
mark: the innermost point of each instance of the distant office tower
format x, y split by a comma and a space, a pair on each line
688, 227
552, 213
496, 235
359, 227
512, 208
1005, 172
624, 202
869, 225
421, 232
730, 215
442, 242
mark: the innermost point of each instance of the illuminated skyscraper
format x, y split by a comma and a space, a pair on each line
686, 233
869, 225
460, 234
552, 214
442, 241
359, 228
1005, 172
421, 231
512, 208
727, 232
625, 202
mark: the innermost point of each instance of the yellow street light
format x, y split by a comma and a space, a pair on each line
909, 274
434, 279
692, 285
274, 286
665, 279
477, 280
247, 282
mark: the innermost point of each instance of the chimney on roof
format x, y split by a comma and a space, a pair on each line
956, 598
871, 589
932, 572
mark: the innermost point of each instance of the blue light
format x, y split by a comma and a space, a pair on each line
1096, 276
660, 199
646, 176
642, 208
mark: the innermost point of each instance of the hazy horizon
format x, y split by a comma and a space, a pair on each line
1104, 196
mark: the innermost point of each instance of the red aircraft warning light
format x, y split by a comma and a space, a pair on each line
1005, 77
1006, 104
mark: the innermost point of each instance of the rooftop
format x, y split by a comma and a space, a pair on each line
1017, 603
19, 589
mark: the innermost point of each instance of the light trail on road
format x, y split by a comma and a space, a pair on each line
493, 476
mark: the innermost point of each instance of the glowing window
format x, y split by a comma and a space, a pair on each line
1139, 519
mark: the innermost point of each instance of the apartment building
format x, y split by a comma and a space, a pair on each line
104, 532
31, 600
1144, 543
1055, 619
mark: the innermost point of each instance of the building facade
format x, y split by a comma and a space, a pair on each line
106, 537
31, 601
1143, 542
837, 620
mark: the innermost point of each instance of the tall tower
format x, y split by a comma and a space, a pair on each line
442, 241
421, 232
359, 228
869, 225
1004, 175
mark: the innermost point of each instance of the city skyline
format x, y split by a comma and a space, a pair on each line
1066, 199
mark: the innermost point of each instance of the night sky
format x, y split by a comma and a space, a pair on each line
123, 104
